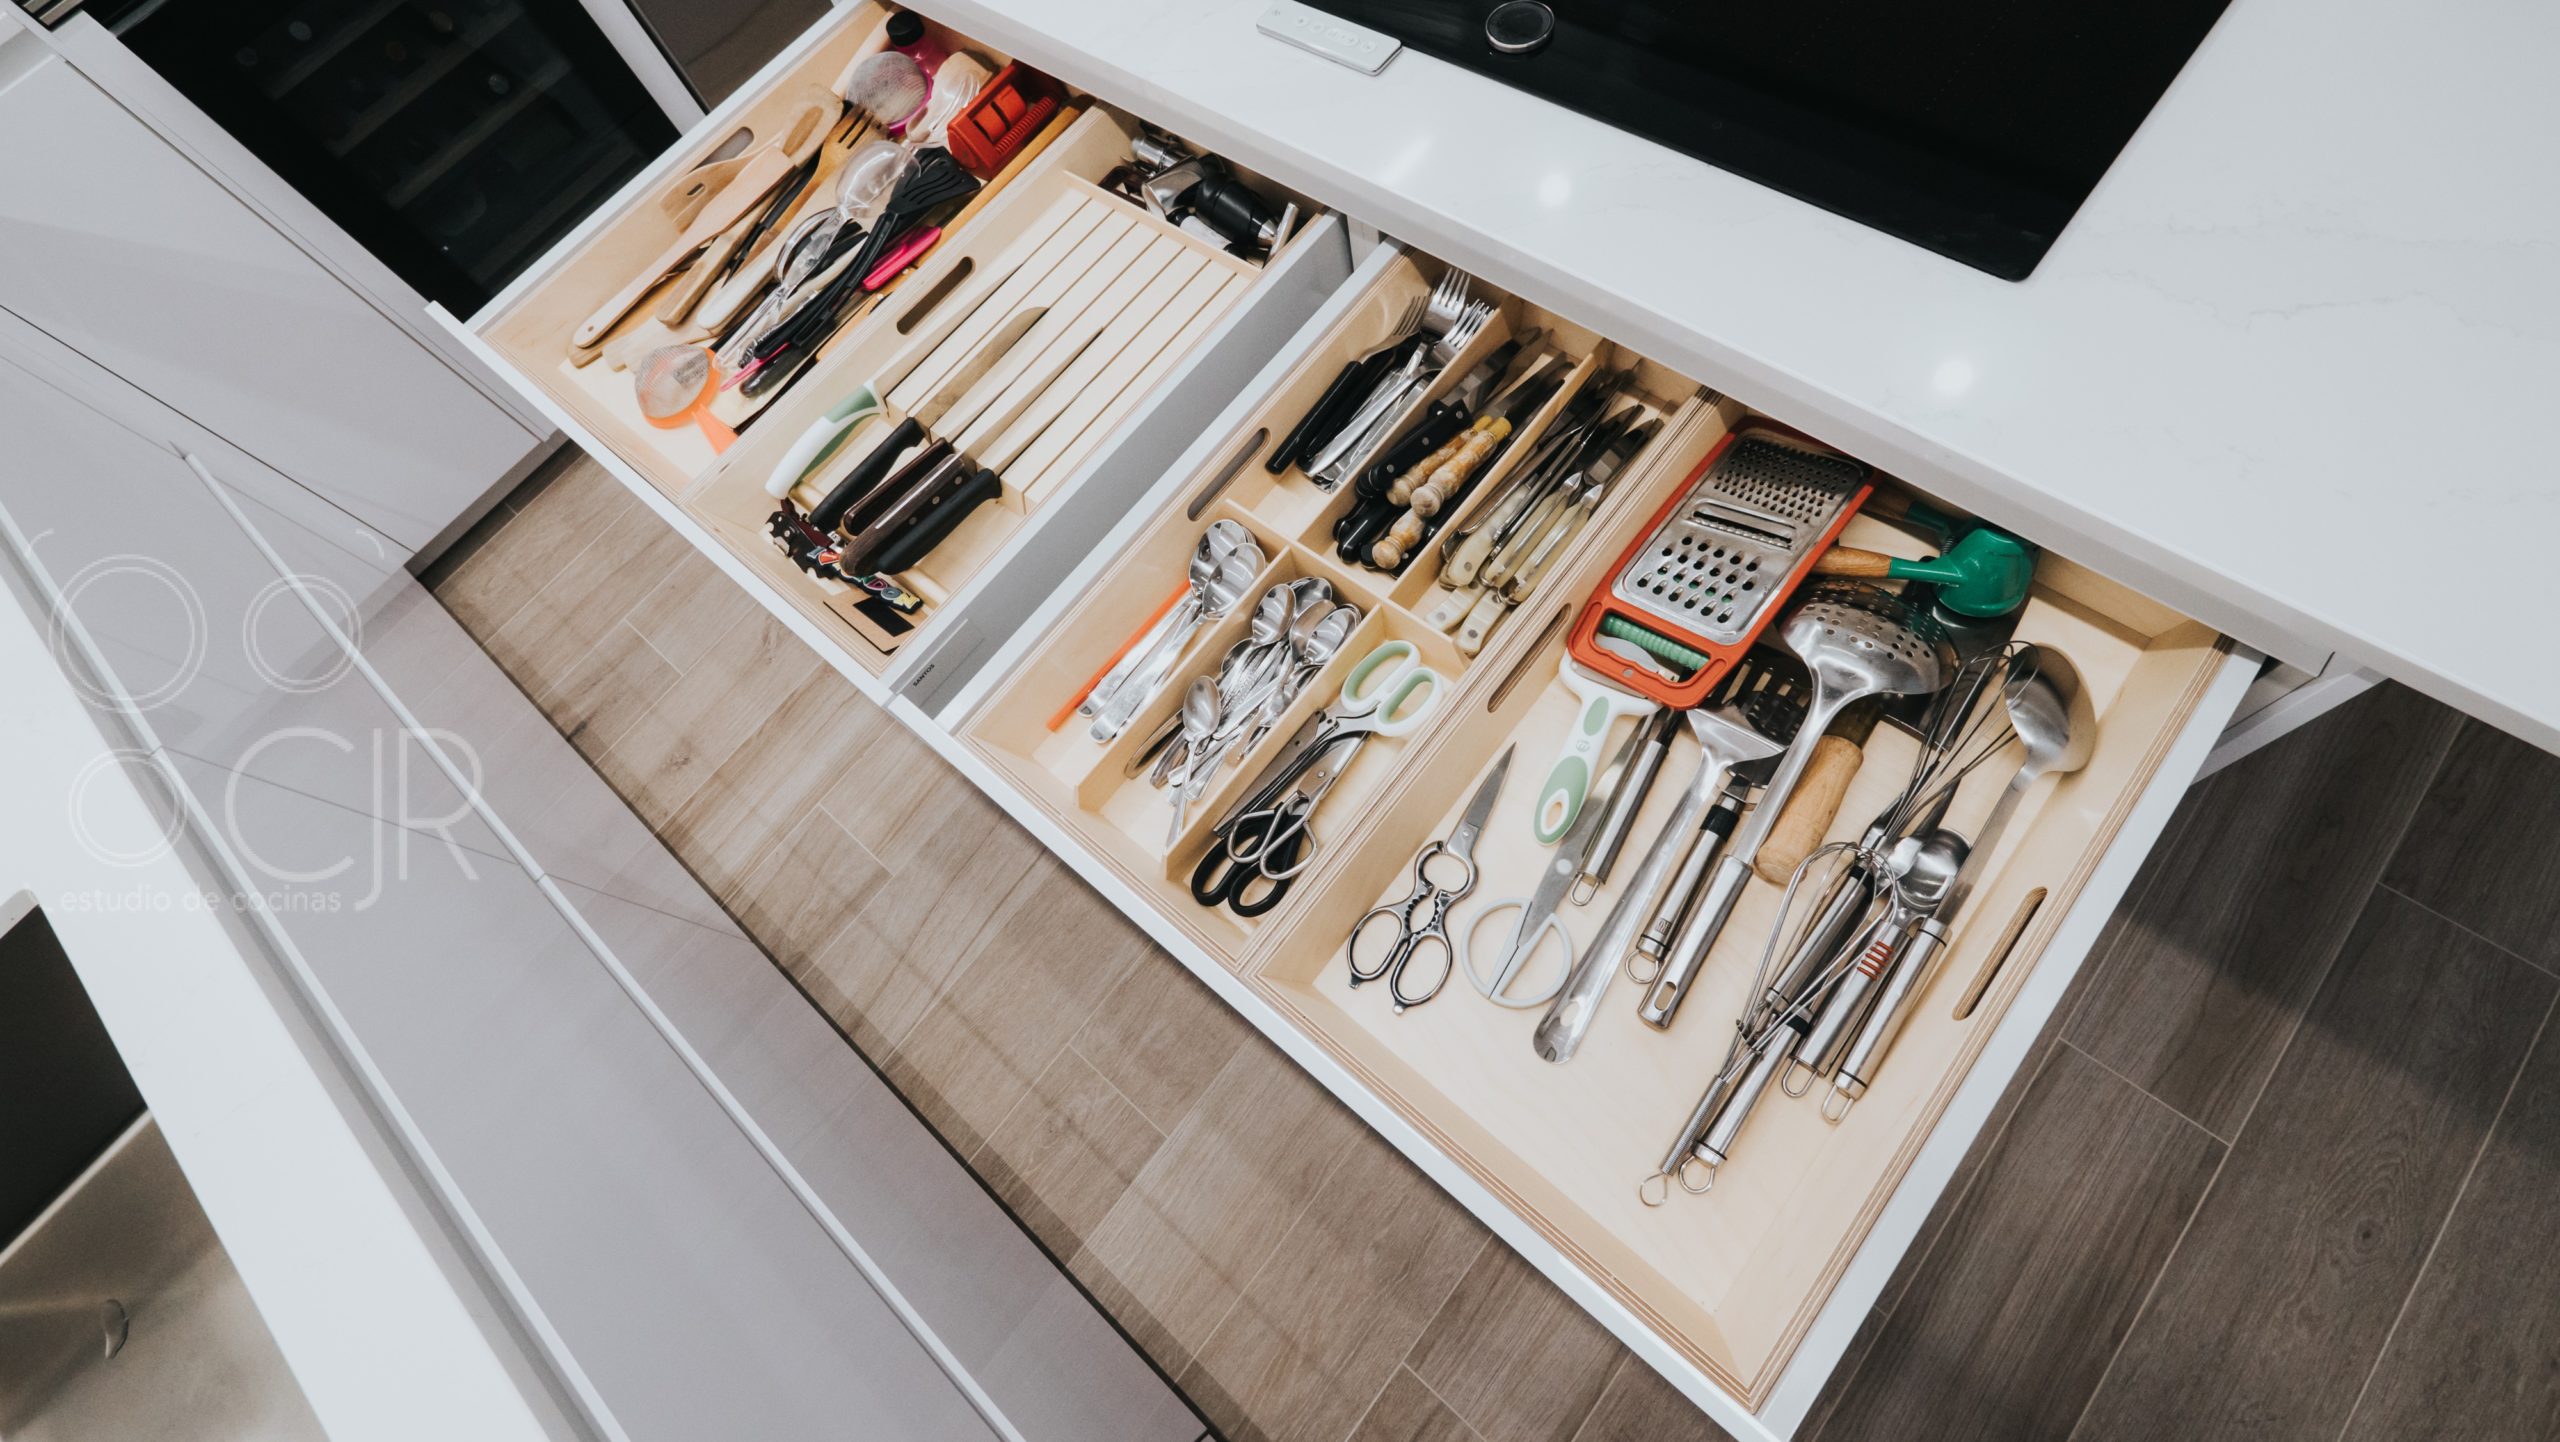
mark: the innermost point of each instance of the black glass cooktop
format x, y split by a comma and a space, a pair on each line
1974, 129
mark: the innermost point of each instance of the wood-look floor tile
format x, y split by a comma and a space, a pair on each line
1066, 1153
1214, 1202
2281, 1294
1320, 1328
769, 781
2244, 904
556, 629
693, 604
531, 549
806, 888
2485, 846
606, 693
2477, 1353
465, 546
671, 751
893, 792
1161, 1038
1055, 951
2010, 1322
1640, 1407
1844, 1376
895, 958
1407, 1412
1513, 1355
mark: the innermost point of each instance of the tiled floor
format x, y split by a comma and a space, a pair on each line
2280, 1168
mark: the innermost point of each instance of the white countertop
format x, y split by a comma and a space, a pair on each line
2306, 320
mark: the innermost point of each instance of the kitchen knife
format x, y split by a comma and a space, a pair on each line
866, 475
892, 495
1442, 420
952, 472
1296, 440
994, 349
937, 523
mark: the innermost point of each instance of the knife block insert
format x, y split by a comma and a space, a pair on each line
1125, 317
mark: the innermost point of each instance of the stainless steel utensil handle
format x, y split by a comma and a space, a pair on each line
1697, 937
1147, 680
1624, 802
1570, 1015
1715, 1141
1122, 669
1703, 1115
1841, 1012
1894, 1005
1693, 869
1985, 842
1821, 943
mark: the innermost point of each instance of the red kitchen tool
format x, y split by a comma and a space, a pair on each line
1715, 564
1006, 114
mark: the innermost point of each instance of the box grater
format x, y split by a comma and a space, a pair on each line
1716, 562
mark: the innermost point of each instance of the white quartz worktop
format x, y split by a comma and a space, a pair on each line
2284, 370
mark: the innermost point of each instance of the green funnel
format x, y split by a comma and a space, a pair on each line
1985, 573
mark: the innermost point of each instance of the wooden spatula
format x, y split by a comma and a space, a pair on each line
719, 213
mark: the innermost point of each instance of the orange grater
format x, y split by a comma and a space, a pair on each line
1716, 562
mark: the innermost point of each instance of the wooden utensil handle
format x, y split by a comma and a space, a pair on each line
698, 278
1401, 537
1444, 482
1842, 561
1809, 811
1400, 491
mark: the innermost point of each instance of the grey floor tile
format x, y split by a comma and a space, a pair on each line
2010, 1322
2281, 1294
2484, 849
2242, 907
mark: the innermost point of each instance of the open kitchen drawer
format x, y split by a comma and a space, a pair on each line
1745, 1296
1133, 325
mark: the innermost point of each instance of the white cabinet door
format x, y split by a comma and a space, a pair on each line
114, 244
694, 1295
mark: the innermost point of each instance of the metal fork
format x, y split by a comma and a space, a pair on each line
1406, 395
1434, 315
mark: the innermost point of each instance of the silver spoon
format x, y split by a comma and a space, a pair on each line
1199, 721
1921, 891
1206, 554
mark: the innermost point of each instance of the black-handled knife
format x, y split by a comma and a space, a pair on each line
1294, 444
866, 475
861, 552
936, 524
892, 493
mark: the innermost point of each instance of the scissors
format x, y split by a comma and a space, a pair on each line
1221, 880
1537, 911
1421, 919
1390, 693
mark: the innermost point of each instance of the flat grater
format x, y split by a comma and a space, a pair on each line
1715, 563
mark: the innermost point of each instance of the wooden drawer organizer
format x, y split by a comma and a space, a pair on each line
1165, 292
1731, 1281
1123, 819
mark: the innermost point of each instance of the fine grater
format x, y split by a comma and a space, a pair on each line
1714, 565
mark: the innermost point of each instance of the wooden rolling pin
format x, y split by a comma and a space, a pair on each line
1816, 799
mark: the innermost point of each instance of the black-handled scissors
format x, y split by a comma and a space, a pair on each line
1228, 887
1444, 873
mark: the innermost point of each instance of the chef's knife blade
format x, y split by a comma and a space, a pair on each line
974, 370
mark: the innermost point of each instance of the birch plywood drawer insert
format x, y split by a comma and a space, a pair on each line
1098, 774
1730, 1281
1048, 305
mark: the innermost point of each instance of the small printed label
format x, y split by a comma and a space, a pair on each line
1335, 39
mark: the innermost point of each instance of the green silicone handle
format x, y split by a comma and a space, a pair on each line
1568, 783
